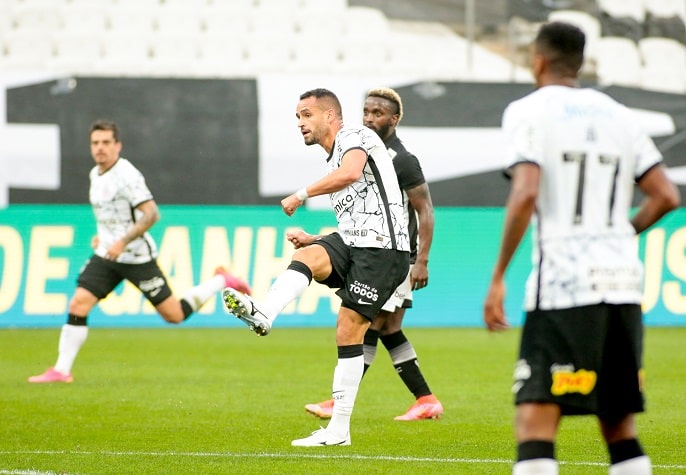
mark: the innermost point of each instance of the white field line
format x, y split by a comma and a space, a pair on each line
293, 455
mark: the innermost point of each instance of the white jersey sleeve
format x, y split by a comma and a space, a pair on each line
114, 195
370, 212
590, 150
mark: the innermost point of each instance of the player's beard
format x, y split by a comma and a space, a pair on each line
382, 131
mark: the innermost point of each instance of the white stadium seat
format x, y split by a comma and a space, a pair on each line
221, 58
624, 8
84, 18
176, 20
663, 53
26, 51
75, 53
173, 54
618, 61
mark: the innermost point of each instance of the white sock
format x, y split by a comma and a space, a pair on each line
536, 467
201, 293
635, 466
72, 338
287, 287
346, 382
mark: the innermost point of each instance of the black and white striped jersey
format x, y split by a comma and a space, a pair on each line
370, 211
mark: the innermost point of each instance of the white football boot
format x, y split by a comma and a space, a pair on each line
321, 438
244, 309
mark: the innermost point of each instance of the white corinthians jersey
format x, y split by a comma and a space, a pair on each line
114, 196
590, 151
370, 211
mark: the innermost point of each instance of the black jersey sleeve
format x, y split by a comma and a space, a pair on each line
409, 170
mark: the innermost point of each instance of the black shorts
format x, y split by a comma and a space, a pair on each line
365, 276
100, 276
588, 360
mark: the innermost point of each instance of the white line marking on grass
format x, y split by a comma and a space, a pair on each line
296, 455
25, 472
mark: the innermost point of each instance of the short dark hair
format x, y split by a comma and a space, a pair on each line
102, 124
328, 97
562, 44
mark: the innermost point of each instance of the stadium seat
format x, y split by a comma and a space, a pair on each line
311, 55
144, 5
618, 61
360, 56
364, 21
634, 9
173, 54
333, 6
26, 51
131, 20
271, 23
665, 8
312, 22
220, 58
267, 54
288, 5
84, 18
39, 17
75, 53
662, 53
178, 20
125, 54
224, 20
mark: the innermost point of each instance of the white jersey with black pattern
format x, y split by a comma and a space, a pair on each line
114, 196
591, 150
370, 211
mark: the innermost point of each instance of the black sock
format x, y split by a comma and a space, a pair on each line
76, 320
535, 449
186, 309
397, 345
624, 450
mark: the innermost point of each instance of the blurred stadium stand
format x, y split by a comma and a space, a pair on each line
466, 40
239, 38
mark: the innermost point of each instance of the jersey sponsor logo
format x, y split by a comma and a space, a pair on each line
363, 302
364, 291
356, 232
342, 204
566, 380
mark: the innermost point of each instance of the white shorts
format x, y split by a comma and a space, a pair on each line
402, 295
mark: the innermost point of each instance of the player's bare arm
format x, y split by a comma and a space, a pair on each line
348, 173
519, 209
420, 198
661, 196
150, 215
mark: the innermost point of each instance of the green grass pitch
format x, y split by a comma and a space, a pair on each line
223, 401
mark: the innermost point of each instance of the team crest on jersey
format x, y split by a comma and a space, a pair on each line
522, 372
566, 380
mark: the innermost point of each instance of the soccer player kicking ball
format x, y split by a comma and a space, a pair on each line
366, 259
